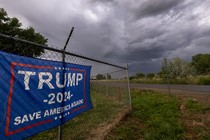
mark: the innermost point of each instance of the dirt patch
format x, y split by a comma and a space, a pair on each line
197, 123
201, 97
100, 132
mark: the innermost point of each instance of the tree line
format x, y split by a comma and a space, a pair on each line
103, 77
177, 67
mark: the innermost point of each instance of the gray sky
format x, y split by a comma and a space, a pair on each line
138, 32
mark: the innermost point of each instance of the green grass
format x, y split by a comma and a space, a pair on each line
154, 117
206, 136
196, 111
193, 106
203, 80
105, 110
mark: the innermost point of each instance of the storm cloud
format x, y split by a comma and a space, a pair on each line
155, 7
140, 33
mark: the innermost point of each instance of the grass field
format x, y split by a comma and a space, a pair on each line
106, 108
154, 116
195, 119
158, 116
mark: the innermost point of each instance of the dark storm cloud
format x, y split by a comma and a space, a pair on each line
155, 7
136, 54
140, 33
89, 37
102, 1
144, 66
169, 32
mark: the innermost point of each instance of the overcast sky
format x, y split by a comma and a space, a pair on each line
138, 32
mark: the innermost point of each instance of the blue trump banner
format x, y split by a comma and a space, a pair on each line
36, 95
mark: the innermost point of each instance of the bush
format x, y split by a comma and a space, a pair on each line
203, 80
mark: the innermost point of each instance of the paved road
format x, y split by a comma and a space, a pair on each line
193, 88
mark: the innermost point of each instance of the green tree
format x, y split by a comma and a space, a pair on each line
140, 75
109, 77
176, 68
163, 71
132, 77
100, 77
150, 75
201, 62
12, 27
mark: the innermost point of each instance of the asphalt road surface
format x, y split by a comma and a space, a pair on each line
192, 88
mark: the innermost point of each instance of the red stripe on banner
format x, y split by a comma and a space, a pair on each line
13, 64
76, 109
31, 66
28, 127
79, 70
10, 99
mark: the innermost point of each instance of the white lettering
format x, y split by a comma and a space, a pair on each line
58, 80
32, 116
26, 77
17, 120
46, 81
38, 115
52, 111
71, 79
46, 113
76, 103
27, 117
79, 78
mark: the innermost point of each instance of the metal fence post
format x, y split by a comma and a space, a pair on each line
114, 74
168, 80
59, 127
129, 90
107, 88
63, 60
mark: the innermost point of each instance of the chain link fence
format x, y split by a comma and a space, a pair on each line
109, 90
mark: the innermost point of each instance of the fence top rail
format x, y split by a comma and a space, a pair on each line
61, 51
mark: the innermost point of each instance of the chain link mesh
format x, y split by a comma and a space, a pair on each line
109, 90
